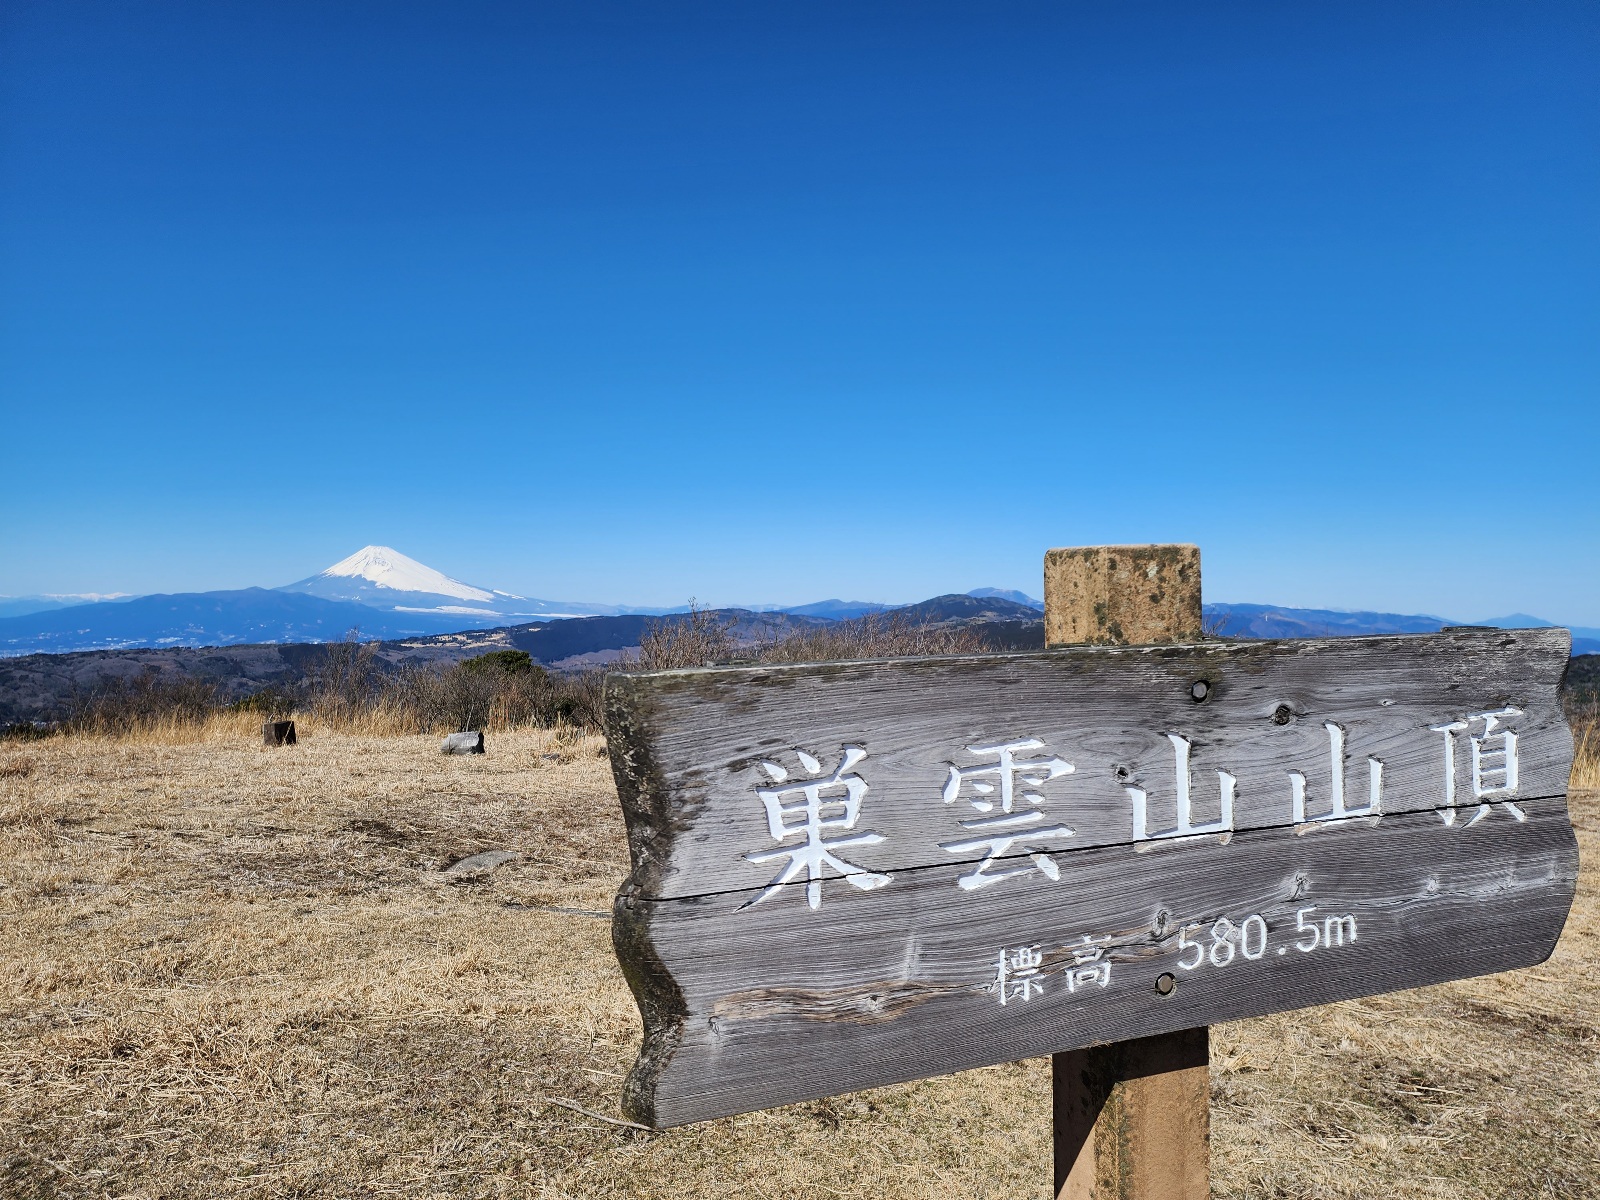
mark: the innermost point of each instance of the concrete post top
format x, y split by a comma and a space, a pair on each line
1122, 595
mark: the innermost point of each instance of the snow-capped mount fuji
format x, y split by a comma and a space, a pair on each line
383, 578
374, 567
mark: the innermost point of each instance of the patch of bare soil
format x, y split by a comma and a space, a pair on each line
238, 971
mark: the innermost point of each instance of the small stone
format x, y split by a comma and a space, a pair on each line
462, 743
479, 864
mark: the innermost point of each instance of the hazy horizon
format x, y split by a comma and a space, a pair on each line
747, 602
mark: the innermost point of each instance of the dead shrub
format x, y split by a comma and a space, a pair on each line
875, 635
350, 689
701, 638
695, 639
271, 703
127, 706
343, 688
472, 695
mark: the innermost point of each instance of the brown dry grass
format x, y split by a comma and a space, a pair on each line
234, 971
1586, 749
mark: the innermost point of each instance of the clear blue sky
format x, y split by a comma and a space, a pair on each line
636, 302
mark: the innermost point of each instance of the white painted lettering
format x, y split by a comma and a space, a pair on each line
1017, 975
1495, 764
1339, 809
811, 809
1186, 826
1090, 966
991, 785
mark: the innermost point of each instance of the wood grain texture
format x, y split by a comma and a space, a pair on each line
756, 994
687, 746
746, 1009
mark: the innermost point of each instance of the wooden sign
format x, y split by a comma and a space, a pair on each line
854, 874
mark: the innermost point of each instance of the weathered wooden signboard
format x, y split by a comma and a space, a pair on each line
853, 874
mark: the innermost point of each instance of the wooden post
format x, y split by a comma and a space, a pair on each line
278, 733
1132, 1119
929, 946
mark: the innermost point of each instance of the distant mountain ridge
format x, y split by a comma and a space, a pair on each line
377, 590
1011, 594
374, 569
836, 610
383, 578
248, 615
1275, 621
967, 608
387, 595
21, 606
44, 686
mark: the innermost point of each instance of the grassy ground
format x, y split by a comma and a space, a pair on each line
233, 971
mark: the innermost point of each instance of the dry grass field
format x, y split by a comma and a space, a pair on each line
235, 971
